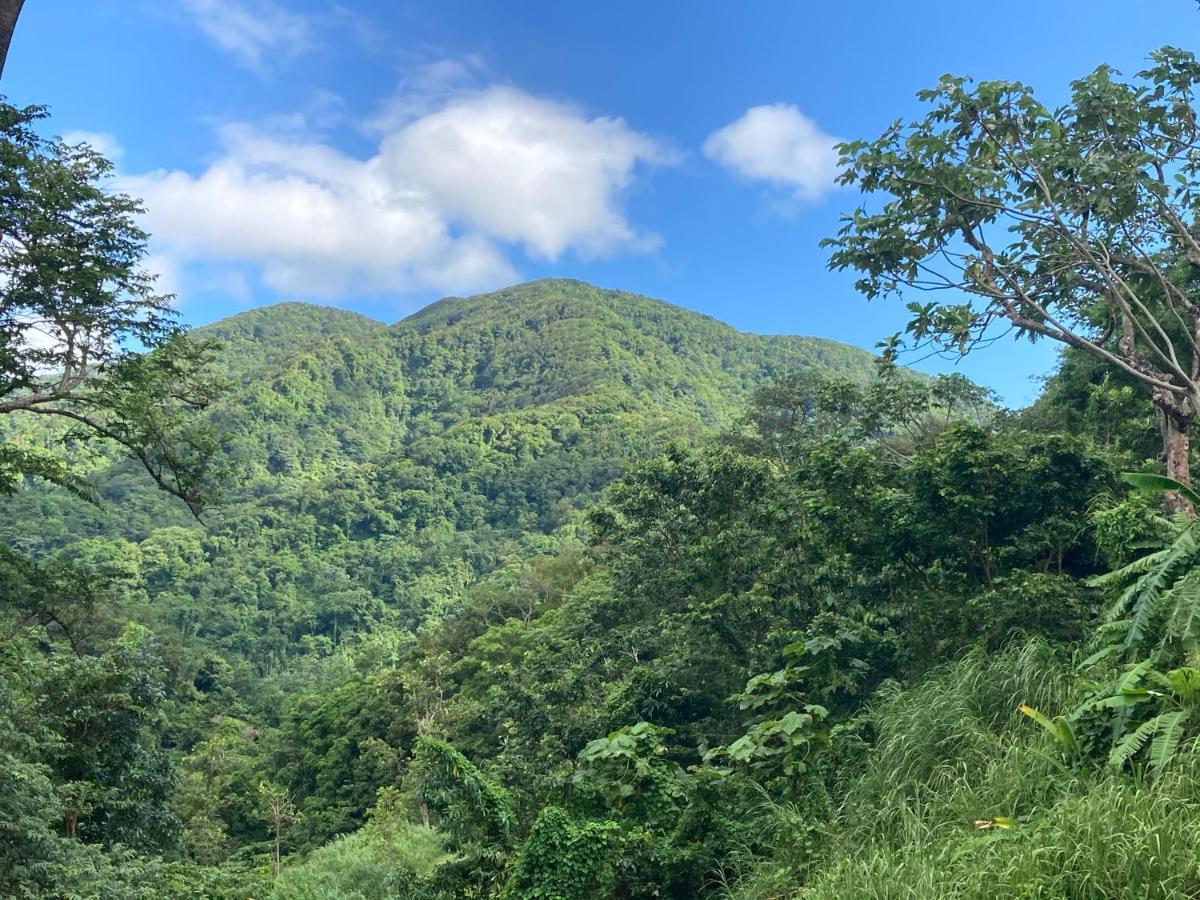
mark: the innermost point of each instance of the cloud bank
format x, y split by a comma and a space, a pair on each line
437, 205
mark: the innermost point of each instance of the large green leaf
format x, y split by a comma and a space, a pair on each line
1158, 484
1170, 731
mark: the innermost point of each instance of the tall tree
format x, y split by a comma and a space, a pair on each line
78, 313
9, 10
1076, 224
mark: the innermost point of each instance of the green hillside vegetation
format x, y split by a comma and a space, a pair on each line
381, 471
562, 593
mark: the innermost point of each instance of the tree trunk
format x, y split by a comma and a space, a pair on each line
1177, 442
9, 10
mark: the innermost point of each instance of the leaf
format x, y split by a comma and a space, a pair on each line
1134, 676
1170, 730
1002, 822
1058, 728
1037, 716
1184, 681
1066, 735
1130, 744
1157, 484
1121, 701
1102, 653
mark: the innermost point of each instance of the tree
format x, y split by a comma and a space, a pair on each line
9, 10
280, 812
105, 757
84, 338
1076, 224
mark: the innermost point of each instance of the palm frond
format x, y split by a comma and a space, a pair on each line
1153, 589
1183, 602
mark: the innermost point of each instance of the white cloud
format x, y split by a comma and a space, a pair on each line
255, 32
425, 88
525, 170
434, 207
165, 269
780, 145
102, 142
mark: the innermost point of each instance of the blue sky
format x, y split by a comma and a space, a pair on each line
378, 155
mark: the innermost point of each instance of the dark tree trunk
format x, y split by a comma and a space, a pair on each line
1177, 442
9, 10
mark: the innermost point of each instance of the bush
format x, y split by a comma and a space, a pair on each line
366, 865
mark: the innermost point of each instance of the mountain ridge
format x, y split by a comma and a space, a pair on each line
381, 470
220, 328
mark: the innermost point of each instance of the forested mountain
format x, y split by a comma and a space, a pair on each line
561, 593
375, 472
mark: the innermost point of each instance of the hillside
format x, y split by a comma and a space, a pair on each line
376, 472
535, 594
258, 340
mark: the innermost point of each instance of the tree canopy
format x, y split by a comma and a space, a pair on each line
1076, 224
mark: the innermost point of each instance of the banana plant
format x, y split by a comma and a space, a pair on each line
1059, 728
1173, 698
1159, 603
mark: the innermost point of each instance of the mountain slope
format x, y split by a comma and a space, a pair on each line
380, 471
259, 339
540, 341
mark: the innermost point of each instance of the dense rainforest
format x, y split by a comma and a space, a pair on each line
567, 593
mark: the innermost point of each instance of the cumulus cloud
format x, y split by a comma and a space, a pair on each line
780, 145
525, 170
252, 31
435, 206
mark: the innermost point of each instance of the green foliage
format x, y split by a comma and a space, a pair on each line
371, 864
122, 874
104, 717
1145, 710
1158, 609
632, 774
563, 860
381, 470
473, 809
508, 525
30, 808
77, 312
776, 743
1068, 224
823, 613
350, 742
1106, 838
1061, 214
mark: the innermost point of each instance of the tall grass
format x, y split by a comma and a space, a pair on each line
951, 755
1112, 838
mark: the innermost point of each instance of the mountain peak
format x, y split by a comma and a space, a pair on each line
257, 340
561, 297
290, 313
